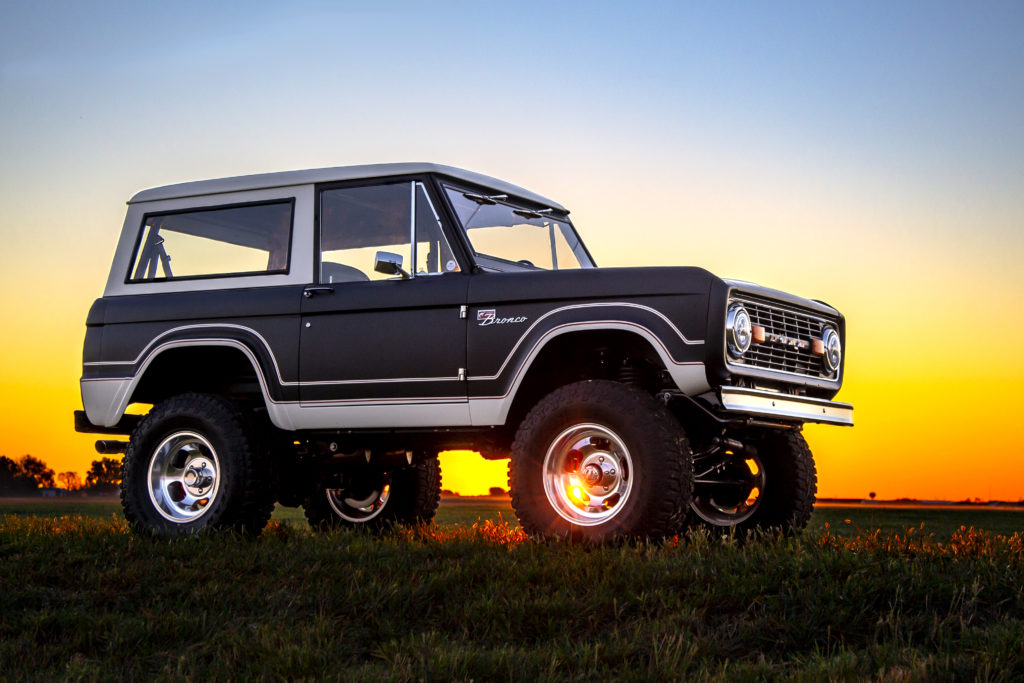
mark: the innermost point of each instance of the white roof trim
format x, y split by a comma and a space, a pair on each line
263, 181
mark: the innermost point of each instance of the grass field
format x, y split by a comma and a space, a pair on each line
844, 520
878, 596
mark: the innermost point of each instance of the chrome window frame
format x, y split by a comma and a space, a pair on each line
440, 230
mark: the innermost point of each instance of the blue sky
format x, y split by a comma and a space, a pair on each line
900, 103
908, 87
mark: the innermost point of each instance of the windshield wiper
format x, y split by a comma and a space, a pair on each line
530, 213
485, 199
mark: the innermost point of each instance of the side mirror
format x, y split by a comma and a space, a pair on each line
389, 264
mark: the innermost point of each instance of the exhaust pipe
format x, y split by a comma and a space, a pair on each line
105, 447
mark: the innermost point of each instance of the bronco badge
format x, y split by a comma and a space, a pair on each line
488, 316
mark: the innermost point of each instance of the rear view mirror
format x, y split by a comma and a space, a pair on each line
389, 264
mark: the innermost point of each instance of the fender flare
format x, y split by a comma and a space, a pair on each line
105, 398
689, 376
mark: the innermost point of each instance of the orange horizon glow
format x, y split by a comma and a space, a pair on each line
936, 419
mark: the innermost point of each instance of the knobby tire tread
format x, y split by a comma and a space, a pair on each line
245, 466
665, 450
792, 483
414, 499
792, 510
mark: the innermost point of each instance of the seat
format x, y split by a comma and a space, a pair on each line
331, 273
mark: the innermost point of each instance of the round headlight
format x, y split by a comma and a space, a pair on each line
737, 330
833, 349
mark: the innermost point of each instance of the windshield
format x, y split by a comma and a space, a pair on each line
505, 236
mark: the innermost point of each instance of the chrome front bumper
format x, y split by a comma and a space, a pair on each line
785, 406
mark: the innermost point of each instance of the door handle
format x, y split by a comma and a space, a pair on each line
308, 292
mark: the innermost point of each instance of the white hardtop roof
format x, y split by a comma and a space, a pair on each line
264, 181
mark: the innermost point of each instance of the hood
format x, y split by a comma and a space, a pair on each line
593, 283
777, 294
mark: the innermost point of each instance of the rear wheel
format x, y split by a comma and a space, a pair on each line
766, 481
600, 460
192, 464
373, 497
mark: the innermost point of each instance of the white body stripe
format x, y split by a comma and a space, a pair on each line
578, 306
105, 399
691, 378
150, 350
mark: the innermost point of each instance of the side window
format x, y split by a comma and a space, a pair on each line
240, 240
357, 222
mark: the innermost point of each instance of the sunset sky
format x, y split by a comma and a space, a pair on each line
869, 154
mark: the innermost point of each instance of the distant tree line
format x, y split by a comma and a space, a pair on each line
29, 475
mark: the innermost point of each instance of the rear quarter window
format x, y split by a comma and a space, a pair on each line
252, 239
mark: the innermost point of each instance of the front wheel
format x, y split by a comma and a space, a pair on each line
373, 497
600, 460
767, 481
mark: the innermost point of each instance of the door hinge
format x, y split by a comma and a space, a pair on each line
462, 374
462, 311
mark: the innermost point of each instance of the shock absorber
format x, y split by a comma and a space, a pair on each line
629, 373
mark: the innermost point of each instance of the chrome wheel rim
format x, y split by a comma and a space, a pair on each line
363, 506
588, 474
731, 493
184, 477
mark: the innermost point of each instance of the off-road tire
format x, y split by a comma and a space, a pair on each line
791, 482
662, 478
245, 497
413, 499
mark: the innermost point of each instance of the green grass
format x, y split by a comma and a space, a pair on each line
84, 598
941, 521
452, 510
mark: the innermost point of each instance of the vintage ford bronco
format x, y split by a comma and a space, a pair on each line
317, 337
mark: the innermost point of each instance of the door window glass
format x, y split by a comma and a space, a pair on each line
358, 222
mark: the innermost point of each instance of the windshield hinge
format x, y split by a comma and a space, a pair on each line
462, 311
485, 199
531, 213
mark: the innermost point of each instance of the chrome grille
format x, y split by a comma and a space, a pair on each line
791, 323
